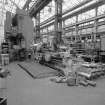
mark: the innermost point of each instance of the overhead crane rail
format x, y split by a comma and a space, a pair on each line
89, 7
71, 9
40, 4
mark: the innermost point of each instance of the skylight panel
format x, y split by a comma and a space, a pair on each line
67, 4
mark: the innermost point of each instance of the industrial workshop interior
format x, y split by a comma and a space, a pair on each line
52, 52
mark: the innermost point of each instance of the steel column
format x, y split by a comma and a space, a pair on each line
94, 33
63, 28
58, 20
95, 28
27, 4
37, 27
76, 26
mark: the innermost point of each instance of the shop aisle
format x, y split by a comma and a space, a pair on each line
24, 90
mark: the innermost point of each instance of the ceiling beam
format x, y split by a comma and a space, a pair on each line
80, 27
100, 2
71, 9
84, 21
77, 6
27, 4
38, 6
84, 9
15, 4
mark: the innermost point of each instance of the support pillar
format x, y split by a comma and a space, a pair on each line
76, 26
37, 27
58, 20
95, 27
28, 8
63, 28
47, 30
47, 33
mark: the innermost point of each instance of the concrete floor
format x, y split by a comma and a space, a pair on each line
24, 90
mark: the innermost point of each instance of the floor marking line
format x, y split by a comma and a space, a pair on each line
27, 71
